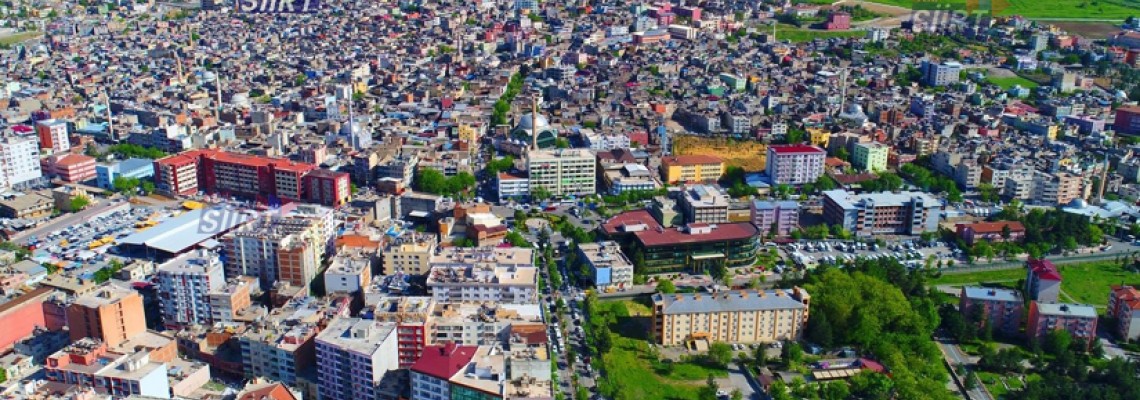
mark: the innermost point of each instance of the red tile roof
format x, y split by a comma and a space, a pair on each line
795, 148
74, 159
671, 236
443, 361
996, 226
1044, 269
616, 224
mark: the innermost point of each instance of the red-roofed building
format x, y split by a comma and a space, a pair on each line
838, 21
69, 167
990, 231
1124, 307
270, 391
243, 175
432, 373
1043, 283
795, 164
693, 248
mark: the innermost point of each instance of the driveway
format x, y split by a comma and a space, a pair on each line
740, 381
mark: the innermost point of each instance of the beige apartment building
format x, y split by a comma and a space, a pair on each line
410, 253
746, 316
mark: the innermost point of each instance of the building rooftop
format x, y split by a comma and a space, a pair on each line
360, 336
1066, 310
483, 274
192, 263
605, 254
1044, 269
443, 361
184, 231
772, 205
796, 149
995, 227
669, 161
493, 256
697, 233
484, 373
733, 301
104, 296
702, 196
849, 201
991, 294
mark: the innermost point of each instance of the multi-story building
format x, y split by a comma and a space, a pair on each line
53, 136
999, 309
997, 231
608, 265
1059, 188
283, 344
704, 204
69, 167
21, 161
746, 316
456, 372
111, 314
230, 304
411, 316
88, 363
431, 375
870, 156
1043, 282
795, 164
1124, 308
940, 74
137, 168
512, 186
695, 248
262, 178
349, 272
1127, 120
1077, 319
775, 218
184, 286
907, 213
410, 253
353, 355
691, 169
483, 281
480, 323
562, 172
287, 246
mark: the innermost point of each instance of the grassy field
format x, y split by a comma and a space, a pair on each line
1089, 283
799, 35
1045, 9
18, 38
1008, 82
1007, 275
629, 363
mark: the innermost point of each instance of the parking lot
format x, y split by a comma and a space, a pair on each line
913, 253
93, 238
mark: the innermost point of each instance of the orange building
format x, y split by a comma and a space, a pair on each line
69, 167
112, 314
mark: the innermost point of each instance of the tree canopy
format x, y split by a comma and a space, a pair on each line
432, 181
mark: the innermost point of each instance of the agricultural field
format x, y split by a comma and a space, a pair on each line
1104, 10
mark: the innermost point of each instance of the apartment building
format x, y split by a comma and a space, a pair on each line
515, 284
1077, 319
53, 135
410, 253
353, 355
21, 161
1043, 282
1124, 308
940, 74
795, 164
694, 248
412, 316
184, 287
562, 172
691, 169
231, 303
746, 316
775, 218
704, 204
87, 362
451, 371
480, 323
431, 375
512, 186
111, 313
286, 246
870, 156
609, 267
898, 213
1059, 188
349, 272
999, 309
283, 344
262, 178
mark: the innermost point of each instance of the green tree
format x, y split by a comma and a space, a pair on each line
708, 392
666, 286
819, 330
540, 193
79, 203
125, 185
516, 239
791, 353
1057, 341
720, 354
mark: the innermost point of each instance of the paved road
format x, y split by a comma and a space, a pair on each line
740, 381
955, 356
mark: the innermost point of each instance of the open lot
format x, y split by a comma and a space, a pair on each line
1085, 283
630, 364
798, 35
12, 39
1089, 30
1009, 82
1116, 10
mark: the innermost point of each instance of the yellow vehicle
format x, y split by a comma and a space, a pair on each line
63, 243
192, 205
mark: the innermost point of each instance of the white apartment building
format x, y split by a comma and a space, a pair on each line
608, 265
483, 282
795, 164
563, 172
287, 246
349, 273
479, 323
184, 287
20, 161
601, 142
512, 186
353, 355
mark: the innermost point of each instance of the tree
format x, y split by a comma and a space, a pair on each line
720, 354
819, 330
666, 286
79, 203
791, 353
540, 193
779, 391
125, 185
759, 357
1057, 341
737, 394
708, 392
500, 164
516, 239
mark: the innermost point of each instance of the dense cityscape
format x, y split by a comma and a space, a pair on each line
591, 200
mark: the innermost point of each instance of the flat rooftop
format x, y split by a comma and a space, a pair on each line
991, 294
361, 336
104, 296
1067, 310
733, 301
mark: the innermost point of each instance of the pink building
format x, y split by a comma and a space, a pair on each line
1001, 309
1043, 282
1124, 307
1077, 319
838, 21
795, 164
69, 167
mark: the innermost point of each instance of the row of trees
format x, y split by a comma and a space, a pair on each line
930, 182
432, 181
503, 105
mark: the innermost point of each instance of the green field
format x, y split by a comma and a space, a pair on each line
18, 38
629, 364
799, 35
1008, 82
1116, 10
1085, 283
1005, 275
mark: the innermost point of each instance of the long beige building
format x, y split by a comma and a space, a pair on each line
563, 172
746, 316
410, 253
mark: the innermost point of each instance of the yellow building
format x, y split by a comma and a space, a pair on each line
746, 316
694, 168
819, 137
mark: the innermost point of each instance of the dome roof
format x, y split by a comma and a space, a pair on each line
525, 122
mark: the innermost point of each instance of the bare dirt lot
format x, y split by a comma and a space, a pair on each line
1088, 30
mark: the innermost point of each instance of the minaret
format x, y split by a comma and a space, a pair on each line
181, 77
534, 123
110, 122
1103, 181
218, 86
458, 49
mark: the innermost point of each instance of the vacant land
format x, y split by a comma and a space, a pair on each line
630, 364
1011, 81
799, 35
1089, 30
1088, 283
1115, 10
12, 39
1005, 275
